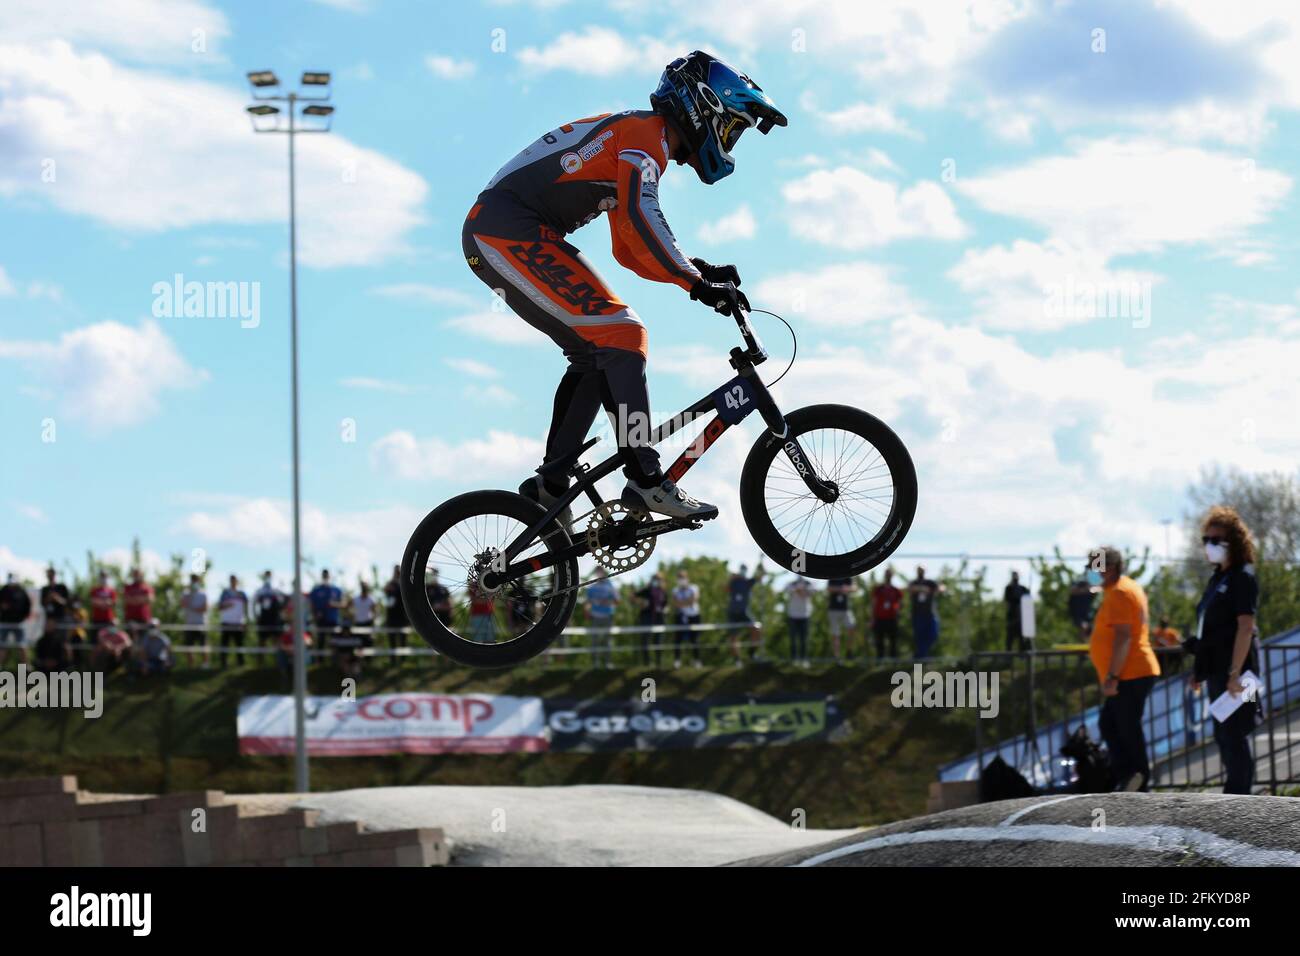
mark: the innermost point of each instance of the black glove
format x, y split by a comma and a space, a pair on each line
717, 273
722, 296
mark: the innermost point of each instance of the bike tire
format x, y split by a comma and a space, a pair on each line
447, 642
902, 473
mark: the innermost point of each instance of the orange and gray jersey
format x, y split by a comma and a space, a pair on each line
610, 163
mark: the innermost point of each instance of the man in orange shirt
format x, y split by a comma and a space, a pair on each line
1126, 665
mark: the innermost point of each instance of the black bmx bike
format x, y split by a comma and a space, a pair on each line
827, 491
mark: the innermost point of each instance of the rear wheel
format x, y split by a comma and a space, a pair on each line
872, 472
443, 567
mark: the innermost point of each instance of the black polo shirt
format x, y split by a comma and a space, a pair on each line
1228, 595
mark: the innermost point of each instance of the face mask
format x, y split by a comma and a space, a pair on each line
1216, 553
1094, 578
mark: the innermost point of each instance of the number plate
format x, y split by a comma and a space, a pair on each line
734, 400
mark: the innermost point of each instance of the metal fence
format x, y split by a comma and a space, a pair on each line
1048, 695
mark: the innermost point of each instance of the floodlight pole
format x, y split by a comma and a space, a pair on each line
302, 778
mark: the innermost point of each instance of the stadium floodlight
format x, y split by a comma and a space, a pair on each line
319, 80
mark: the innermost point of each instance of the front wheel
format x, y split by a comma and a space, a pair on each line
444, 565
875, 502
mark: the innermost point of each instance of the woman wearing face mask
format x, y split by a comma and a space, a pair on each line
1227, 645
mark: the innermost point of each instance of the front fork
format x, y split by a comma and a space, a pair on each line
742, 395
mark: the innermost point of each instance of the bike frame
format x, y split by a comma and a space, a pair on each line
733, 402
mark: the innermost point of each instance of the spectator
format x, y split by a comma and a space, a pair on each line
52, 652
839, 613
482, 616
232, 613
739, 589
602, 601
439, 598
395, 621
326, 605
925, 616
137, 604
153, 652
73, 630
1079, 606
1228, 644
1165, 636
363, 612
346, 644
686, 612
54, 600
1126, 666
1015, 629
194, 607
103, 605
112, 647
886, 603
652, 600
15, 607
798, 609
284, 650
268, 611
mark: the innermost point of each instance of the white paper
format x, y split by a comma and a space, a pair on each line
1227, 703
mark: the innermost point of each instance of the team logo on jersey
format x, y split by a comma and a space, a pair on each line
571, 162
595, 146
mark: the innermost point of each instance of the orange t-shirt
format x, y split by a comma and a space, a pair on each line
1124, 602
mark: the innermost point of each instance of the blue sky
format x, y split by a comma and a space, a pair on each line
955, 180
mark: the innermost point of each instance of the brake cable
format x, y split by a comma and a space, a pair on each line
794, 346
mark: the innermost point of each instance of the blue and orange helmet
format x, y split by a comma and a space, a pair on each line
710, 105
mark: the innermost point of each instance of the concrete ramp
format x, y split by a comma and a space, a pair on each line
573, 826
1113, 829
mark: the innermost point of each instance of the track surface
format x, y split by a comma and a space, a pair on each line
1114, 829
572, 826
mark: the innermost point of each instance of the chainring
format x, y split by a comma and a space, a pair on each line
625, 552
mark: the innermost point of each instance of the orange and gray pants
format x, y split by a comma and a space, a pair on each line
551, 286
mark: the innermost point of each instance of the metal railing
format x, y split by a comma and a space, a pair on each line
1047, 695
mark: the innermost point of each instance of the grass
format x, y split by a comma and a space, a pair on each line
179, 734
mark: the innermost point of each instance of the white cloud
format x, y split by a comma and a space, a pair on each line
32, 513
1120, 196
142, 30
504, 328
422, 294
1048, 285
598, 51
863, 118
848, 209
490, 393
107, 374
449, 68
6, 284
379, 385
473, 367
838, 296
498, 455
147, 152
24, 568
738, 225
